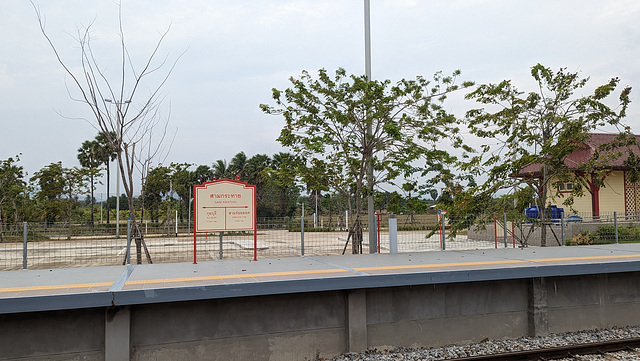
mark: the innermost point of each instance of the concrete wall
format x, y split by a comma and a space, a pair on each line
283, 327
437, 315
323, 324
58, 335
596, 301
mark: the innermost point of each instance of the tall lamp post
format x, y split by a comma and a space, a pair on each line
118, 105
373, 239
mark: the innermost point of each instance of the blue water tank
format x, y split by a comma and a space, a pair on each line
556, 213
532, 212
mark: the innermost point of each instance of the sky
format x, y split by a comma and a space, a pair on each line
232, 53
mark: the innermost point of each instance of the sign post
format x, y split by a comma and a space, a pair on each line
224, 205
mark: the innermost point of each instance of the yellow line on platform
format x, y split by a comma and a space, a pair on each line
244, 275
56, 287
315, 272
437, 265
585, 258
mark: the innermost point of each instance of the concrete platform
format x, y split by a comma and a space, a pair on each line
314, 307
77, 288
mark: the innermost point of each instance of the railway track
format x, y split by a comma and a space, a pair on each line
560, 352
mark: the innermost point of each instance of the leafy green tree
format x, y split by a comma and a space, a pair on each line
327, 121
157, 187
75, 182
535, 131
12, 185
50, 183
282, 177
58, 191
124, 205
183, 180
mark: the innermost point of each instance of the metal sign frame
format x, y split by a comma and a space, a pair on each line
224, 205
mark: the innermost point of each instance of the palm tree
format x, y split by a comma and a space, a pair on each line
255, 169
87, 156
106, 154
202, 174
238, 166
220, 169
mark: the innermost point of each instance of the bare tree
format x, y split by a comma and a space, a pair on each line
126, 107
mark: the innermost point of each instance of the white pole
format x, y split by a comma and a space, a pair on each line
367, 39
393, 233
176, 223
189, 213
373, 237
302, 230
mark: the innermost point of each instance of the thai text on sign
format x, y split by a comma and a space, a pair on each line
224, 205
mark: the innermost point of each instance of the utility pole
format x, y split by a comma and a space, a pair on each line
373, 239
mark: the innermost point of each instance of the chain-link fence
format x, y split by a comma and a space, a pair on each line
575, 229
40, 245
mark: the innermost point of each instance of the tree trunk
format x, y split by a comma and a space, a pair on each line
356, 238
92, 220
107, 207
357, 227
543, 206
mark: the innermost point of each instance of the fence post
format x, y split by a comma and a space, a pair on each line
221, 244
302, 231
24, 245
128, 240
444, 246
562, 227
393, 234
615, 224
504, 227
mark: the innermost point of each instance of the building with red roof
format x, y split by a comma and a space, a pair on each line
616, 191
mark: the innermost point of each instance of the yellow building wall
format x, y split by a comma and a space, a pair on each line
611, 198
581, 205
612, 194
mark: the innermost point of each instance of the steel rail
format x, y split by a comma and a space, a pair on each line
559, 352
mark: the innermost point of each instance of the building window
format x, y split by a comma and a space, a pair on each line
565, 187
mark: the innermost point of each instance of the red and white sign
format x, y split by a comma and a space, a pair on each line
224, 205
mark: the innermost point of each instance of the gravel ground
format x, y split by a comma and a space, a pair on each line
499, 346
633, 355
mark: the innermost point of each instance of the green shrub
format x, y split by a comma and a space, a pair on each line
606, 235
